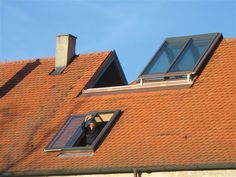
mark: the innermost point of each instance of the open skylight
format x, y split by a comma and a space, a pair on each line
72, 135
179, 56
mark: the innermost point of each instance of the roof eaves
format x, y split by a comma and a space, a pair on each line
148, 169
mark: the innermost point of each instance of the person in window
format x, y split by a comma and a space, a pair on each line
92, 131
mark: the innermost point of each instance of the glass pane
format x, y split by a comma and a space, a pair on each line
67, 131
192, 54
165, 57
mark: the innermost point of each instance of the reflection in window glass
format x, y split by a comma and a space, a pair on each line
191, 55
68, 130
165, 57
181, 55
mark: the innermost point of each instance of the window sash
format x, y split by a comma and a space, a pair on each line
214, 40
78, 133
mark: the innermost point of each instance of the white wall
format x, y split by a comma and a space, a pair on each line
208, 173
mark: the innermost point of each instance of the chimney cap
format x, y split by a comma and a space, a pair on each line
65, 51
67, 35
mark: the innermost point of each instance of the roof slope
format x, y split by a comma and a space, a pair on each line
31, 98
167, 128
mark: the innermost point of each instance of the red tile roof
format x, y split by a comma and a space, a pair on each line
183, 127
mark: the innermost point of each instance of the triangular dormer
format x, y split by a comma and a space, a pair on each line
109, 74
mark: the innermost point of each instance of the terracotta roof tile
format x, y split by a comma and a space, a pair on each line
30, 99
158, 128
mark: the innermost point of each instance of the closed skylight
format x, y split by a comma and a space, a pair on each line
180, 54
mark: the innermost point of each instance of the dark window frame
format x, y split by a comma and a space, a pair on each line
199, 65
112, 57
77, 134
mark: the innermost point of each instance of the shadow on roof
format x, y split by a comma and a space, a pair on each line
18, 77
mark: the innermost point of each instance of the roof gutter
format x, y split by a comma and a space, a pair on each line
134, 170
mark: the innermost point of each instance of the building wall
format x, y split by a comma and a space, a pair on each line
207, 173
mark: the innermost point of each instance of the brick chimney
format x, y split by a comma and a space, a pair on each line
65, 51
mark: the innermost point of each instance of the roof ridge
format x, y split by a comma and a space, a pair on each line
230, 39
96, 53
49, 58
25, 60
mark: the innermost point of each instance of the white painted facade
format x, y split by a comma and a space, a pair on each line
205, 173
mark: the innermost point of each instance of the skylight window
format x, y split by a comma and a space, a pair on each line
72, 136
180, 56
165, 56
176, 64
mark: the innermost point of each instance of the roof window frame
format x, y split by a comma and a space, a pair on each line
112, 57
197, 68
92, 148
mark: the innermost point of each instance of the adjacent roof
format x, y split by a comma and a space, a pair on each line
167, 129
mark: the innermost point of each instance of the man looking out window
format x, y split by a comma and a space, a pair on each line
92, 131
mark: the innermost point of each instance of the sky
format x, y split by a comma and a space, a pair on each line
135, 29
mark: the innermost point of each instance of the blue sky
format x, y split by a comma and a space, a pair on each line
134, 28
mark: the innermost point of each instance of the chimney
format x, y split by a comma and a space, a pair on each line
65, 51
